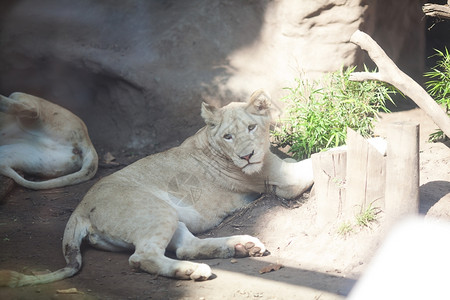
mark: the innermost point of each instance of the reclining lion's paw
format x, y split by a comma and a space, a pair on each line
253, 248
200, 273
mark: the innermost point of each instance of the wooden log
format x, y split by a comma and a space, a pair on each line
391, 74
402, 170
365, 176
436, 10
329, 170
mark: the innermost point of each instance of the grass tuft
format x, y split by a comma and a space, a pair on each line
367, 216
364, 219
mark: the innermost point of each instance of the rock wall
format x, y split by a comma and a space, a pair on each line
137, 71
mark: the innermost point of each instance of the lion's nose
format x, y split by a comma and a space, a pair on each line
248, 156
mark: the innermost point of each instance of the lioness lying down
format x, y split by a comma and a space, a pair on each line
159, 202
43, 139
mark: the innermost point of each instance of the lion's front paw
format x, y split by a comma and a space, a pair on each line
252, 248
203, 272
198, 272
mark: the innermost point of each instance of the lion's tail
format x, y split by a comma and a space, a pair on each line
87, 171
15, 279
75, 231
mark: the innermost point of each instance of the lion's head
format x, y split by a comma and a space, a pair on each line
240, 131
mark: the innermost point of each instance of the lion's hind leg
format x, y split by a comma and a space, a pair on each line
149, 256
19, 104
187, 246
151, 238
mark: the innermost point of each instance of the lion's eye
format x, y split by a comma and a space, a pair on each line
251, 127
227, 136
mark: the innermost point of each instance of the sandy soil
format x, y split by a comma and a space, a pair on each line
318, 263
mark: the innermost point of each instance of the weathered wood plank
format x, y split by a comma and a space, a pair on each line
365, 175
402, 169
329, 178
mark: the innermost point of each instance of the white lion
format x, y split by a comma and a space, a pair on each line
159, 202
43, 139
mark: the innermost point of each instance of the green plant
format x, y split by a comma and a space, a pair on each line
318, 117
439, 86
367, 216
363, 219
345, 228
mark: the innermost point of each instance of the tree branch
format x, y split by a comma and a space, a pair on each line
436, 10
390, 73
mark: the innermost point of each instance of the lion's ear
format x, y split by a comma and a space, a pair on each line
209, 114
259, 102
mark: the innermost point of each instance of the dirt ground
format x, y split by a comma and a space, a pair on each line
318, 263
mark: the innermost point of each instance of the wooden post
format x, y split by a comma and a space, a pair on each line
402, 170
329, 170
365, 176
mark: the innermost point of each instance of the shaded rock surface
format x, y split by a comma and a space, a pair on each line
137, 71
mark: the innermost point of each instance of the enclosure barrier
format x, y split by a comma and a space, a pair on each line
362, 175
349, 181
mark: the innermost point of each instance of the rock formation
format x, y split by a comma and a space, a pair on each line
137, 71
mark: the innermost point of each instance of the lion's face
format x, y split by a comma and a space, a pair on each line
240, 131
